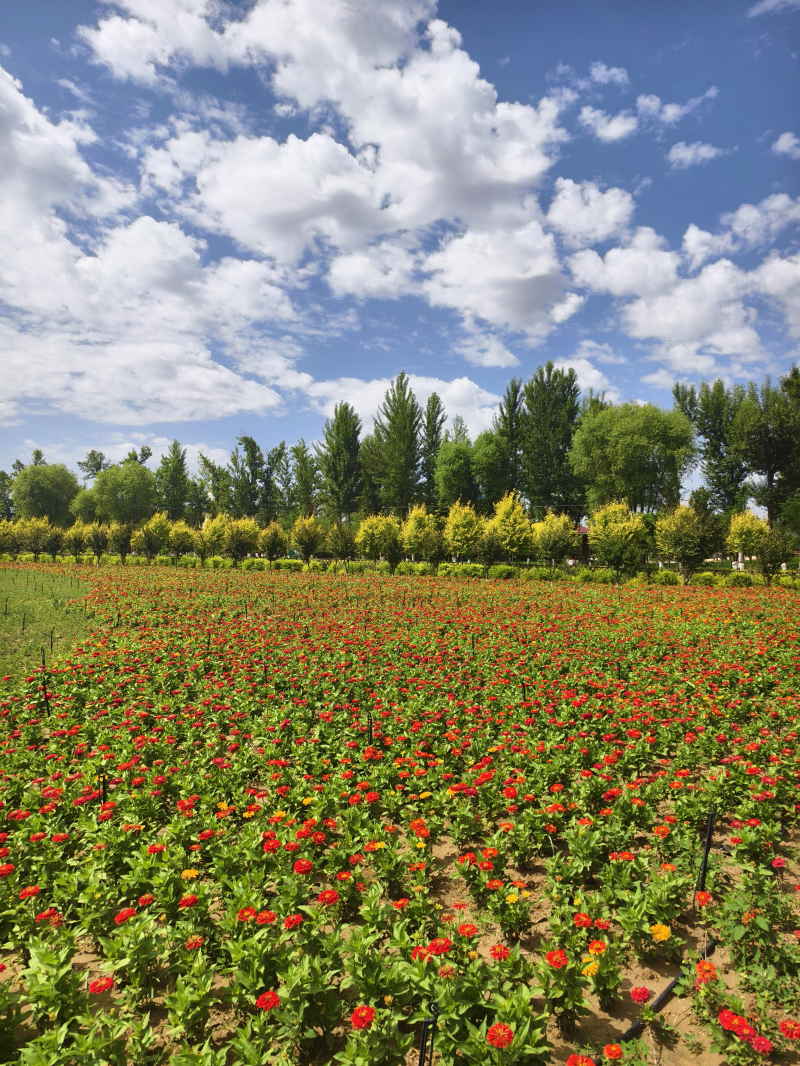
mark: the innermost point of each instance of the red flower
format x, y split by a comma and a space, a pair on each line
156, 849
246, 914
790, 1029
268, 1001
704, 898
362, 1017
499, 952
30, 891
328, 898
125, 915
302, 866
399, 904
500, 1035
265, 917
194, 942
557, 959
582, 921
102, 984
761, 1045
612, 1052
145, 901
467, 930
207, 834
293, 921
641, 994
579, 1060
187, 902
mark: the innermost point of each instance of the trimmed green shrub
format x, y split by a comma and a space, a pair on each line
786, 581
705, 578
665, 577
532, 573
739, 579
464, 569
502, 572
292, 566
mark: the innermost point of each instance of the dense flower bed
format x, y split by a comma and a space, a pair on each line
238, 800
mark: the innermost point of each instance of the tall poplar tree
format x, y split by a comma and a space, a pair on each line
551, 412
305, 477
397, 442
172, 482
339, 464
764, 434
431, 441
713, 409
509, 427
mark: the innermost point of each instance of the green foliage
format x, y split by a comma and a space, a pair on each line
45, 491
617, 537
633, 452
339, 463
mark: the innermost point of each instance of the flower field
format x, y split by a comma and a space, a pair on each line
258, 818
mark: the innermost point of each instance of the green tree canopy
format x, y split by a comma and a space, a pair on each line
713, 409
509, 428
430, 442
633, 451
172, 482
765, 435
339, 464
490, 469
124, 493
45, 490
551, 411
397, 430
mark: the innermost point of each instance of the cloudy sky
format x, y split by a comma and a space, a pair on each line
225, 217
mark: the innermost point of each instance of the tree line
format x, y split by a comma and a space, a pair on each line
555, 450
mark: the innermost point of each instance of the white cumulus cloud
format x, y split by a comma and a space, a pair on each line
585, 215
683, 155
787, 144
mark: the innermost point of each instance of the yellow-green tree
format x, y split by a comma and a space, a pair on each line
273, 542
462, 531
35, 533
341, 541
241, 539
307, 536
368, 537
512, 525
152, 536
75, 539
97, 539
617, 537
772, 547
553, 538
683, 536
180, 540
119, 539
745, 533
208, 540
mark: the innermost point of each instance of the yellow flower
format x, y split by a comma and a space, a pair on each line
222, 806
525, 894
307, 800
388, 1000
279, 814
248, 814
660, 932
189, 875
590, 970
425, 795
419, 844
512, 898
473, 955
418, 888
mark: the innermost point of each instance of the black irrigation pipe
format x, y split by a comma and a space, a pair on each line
428, 1028
665, 994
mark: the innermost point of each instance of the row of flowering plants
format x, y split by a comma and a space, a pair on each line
253, 818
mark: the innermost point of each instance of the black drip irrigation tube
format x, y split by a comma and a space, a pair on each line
665, 994
428, 1029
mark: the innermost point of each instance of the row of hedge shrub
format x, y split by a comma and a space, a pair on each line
499, 572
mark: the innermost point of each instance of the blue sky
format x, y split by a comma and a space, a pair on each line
227, 217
